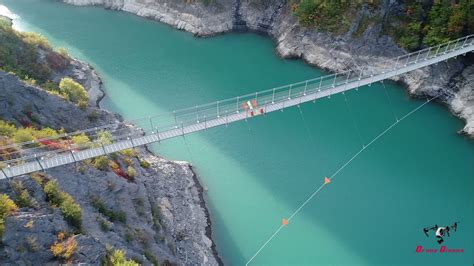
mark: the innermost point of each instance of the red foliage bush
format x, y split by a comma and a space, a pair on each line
120, 172
56, 61
54, 145
25, 123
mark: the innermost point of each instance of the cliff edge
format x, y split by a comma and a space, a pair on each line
364, 44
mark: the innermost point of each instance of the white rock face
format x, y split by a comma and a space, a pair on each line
463, 102
85, 2
195, 17
180, 233
373, 50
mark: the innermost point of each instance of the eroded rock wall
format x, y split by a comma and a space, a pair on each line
369, 48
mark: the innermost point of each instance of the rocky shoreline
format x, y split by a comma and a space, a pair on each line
372, 50
7, 19
174, 187
87, 75
205, 207
165, 206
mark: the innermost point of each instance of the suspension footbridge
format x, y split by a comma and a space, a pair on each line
38, 155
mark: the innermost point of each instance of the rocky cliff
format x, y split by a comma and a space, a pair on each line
156, 216
363, 45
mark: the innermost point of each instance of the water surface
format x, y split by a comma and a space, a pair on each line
419, 174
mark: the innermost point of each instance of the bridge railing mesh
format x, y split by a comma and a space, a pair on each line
18, 153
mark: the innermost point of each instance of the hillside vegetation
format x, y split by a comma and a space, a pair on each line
420, 23
327, 15
29, 56
432, 24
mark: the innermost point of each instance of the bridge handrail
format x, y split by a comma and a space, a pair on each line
192, 111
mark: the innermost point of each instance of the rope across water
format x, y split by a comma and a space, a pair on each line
319, 188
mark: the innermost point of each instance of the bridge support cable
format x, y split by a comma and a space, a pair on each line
188, 149
187, 146
251, 143
311, 138
282, 97
328, 180
9, 180
389, 99
354, 121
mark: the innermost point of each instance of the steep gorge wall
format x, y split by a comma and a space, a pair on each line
197, 18
363, 46
164, 216
163, 205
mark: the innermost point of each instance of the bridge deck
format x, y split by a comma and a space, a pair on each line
270, 101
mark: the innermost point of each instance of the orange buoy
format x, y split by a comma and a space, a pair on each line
284, 222
327, 180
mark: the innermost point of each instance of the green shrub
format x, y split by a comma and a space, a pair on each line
5, 23
19, 54
7, 207
144, 164
53, 193
72, 90
39, 178
35, 119
104, 224
111, 214
24, 135
104, 137
23, 199
7, 129
81, 139
433, 24
114, 156
45, 133
29, 133
326, 15
128, 161
101, 163
36, 39
50, 86
71, 210
129, 152
63, 51
117, 258
2, 227
82, 104
131, 171
30, 81
449, 20
151, 258
64, 247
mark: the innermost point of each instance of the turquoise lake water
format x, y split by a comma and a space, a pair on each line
419, 174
